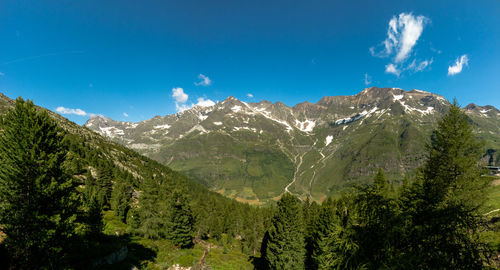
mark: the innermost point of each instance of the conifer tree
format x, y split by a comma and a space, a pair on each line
285, 245
377, 216
406, 181
152, 212
180, 221
93, 206
311, 212
324, 229
341, 249
441, 205
380, 181
103, 182
38, 199
120, 198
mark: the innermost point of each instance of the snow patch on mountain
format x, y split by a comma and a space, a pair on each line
328, 139
355, 117
166, 126
407, 108
111, 131
266, 114
202, 117
218, 123
131, 125
397, 97
244, 128
198, 128
306, 126
236, 108
421, 91
143, 146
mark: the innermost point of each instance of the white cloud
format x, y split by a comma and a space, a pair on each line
202, 102
459, 63
205, 80
181, 99
420, 66
403, 33
205, 102
63, 110
368, 79
182, 107
391, 68
179, 95
125, 114
250, 95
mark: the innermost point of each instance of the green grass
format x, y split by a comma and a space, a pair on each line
493, 201
492, 236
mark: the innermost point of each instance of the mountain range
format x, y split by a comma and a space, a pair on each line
254, 152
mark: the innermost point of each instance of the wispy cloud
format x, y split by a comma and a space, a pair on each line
402, 35
205, 80
125, 114
181, 99
27, 58
63, 110
416, 67
250, 95
182, 107
391, 68
368, 79
202, 102
459, 63
205, 102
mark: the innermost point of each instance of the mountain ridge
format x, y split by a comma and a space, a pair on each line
256, 151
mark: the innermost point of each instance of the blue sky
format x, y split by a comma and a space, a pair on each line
126, 59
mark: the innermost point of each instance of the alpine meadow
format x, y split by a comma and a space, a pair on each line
179, 135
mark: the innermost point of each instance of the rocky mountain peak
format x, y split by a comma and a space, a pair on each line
307, 149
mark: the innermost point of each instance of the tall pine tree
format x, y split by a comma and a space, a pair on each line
93, 207
120, 199
38, 199
441, 205
285, 247
324, 228
180, 220
151, 209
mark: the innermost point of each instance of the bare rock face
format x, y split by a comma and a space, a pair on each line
253, 151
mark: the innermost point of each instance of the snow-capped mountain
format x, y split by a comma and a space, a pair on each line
255, 151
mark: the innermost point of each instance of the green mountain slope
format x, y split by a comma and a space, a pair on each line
89, 151
254, 152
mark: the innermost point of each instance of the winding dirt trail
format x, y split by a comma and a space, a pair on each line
296, 172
